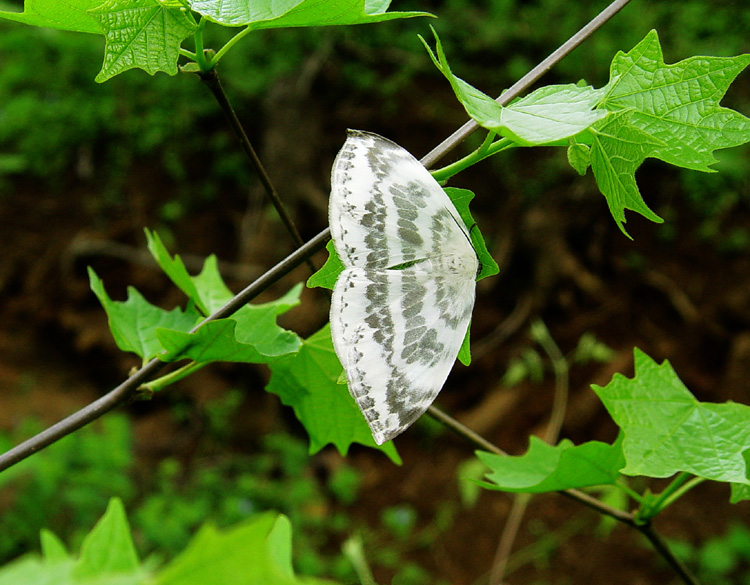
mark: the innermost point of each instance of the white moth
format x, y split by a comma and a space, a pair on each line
402, 305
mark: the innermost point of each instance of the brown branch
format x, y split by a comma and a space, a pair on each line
129, 388
211, 79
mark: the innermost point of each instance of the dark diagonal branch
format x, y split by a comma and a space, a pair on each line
129, 388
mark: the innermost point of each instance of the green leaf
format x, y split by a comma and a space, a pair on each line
70, 15
108, 548
308, 382
329, 272
174, 269
461, 199
546, 115
618, 148
678, 105
740, 493
547, 468
579, 157
297, 13
31, 570
144, 34
134, 322
251, 335
667, 430
254, 552
53, 548
207, 289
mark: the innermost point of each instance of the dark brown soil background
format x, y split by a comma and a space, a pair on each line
669, 292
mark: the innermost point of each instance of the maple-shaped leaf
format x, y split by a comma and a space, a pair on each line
251, 335
144, 34
617, 149
134, 322
667, 430
548, 468
308, 382
678, 105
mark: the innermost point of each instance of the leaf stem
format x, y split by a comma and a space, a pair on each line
174, 376
682, 490
228, 45
634, 495
200, 53
682, 483
189, 54
485, 150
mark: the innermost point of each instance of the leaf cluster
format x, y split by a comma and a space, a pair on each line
108, 557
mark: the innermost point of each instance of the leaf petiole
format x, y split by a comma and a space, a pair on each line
628, 490
228, 45
652, 506
163, 381
487, 149
680, 485
200, 53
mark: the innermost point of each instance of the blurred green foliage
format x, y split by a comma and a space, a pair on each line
720, 560
58, 125
66, 486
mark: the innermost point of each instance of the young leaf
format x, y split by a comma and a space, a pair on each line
134, 322
579, 157
548, 468
678, 105
329, 272
461, 199
108, 549
146, 34
53, 549
251, 335
254, 552
547, 115
308, 382
174, 269
31, 570
297, 13
58, 14
667, 430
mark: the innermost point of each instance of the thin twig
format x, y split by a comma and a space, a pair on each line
661, 547
129, 388
508, 537
211, 79
542, 336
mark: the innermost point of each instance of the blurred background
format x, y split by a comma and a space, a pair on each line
85, 167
